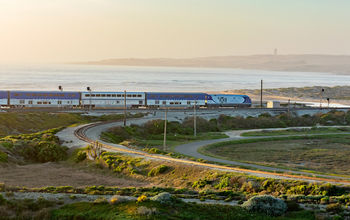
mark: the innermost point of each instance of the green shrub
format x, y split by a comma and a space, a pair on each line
7, 145
334, 207
266, 204
2, 200
44, 152
224, 182
3, 157
142, 198
292, 206
100, 200
80, 156
158, 170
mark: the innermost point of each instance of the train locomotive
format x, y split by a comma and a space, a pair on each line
56, 99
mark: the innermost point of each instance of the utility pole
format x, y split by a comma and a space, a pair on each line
328, 100
261, 94
59, 102
89, 89
124, 108
165, 122
288, 107
195, 119
321, 97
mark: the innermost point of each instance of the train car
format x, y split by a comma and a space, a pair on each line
166, 99
43, 99
3, 98
112, 99
228, 100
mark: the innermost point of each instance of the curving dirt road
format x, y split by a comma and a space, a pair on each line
191, 149
92, 133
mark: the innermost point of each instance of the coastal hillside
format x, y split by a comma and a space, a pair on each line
339, 64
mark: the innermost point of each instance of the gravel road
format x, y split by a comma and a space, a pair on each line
67, 135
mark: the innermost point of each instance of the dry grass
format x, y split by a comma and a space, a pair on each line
61, 174
326, 155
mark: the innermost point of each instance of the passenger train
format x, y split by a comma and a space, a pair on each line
45, 99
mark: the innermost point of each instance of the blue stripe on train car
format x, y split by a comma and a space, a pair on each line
3, 95
247, 100
44, 95
176, 96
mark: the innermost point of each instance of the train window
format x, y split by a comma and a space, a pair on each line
139, 95
87, 95
164, 102
98, 95
171, 103
103, 95
134, 95
39, 103
30, 102
157, 102
114, 95
128, 95
21, 102
188, 102
119, 95
59, 102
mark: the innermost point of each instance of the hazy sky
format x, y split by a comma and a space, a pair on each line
78, 30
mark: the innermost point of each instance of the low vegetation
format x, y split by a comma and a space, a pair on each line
37, 147
26, 208
155, 210
150, 134
298, 131
12, 123
266, 204
322, 154
42, 146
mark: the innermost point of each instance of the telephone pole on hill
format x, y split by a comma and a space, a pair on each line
165, 122
261, 94
195, 119
124, 108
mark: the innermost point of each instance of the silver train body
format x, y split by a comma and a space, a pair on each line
47, 99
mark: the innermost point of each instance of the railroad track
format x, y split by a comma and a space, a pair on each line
81, 134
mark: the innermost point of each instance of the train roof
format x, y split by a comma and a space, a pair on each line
44, 95
227, 95
3, 95
175, 96
101, 92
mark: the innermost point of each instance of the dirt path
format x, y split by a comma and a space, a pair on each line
93, 133
58, 174
191, 149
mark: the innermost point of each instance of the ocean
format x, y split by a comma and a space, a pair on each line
172, 79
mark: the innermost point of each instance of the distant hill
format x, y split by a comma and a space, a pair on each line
339, 64
336, 94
